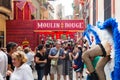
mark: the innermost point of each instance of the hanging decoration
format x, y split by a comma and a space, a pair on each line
21, 4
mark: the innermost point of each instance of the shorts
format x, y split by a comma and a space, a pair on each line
79, 70
58, 69
103, 49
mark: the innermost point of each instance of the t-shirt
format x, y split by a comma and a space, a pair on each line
78, 61
66, 56
30, 58
3, 63
94, 62
48, 60
10, 61
1, 77
41, 58
53, 52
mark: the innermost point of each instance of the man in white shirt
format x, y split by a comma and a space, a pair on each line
3, 63
1, 78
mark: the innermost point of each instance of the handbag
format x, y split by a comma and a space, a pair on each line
75, 66
42, 65
55, 61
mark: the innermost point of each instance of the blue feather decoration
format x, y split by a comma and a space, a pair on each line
111, 23
89, 30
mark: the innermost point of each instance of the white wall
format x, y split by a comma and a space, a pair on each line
54, 4
91, 12
117, 10
101, 10
37, 13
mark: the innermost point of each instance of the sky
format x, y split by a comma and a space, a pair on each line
67, 5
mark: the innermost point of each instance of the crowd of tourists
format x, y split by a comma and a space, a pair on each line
49, 59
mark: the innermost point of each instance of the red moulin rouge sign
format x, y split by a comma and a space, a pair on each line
59, 25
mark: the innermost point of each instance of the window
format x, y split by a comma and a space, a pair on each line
6, 3
94, 12
107, 9
2, 38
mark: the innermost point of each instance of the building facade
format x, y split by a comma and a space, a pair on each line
100, 10
5, 14
96, 10
10, 10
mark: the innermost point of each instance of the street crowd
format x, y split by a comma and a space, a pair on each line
59, 57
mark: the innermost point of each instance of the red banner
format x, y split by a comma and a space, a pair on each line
59, 25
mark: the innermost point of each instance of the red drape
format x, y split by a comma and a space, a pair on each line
24, 14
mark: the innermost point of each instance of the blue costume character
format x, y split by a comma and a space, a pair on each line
103, 49
113, 25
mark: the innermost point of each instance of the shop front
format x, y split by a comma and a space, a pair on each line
36, 31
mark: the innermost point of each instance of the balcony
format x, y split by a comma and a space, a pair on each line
5, 7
